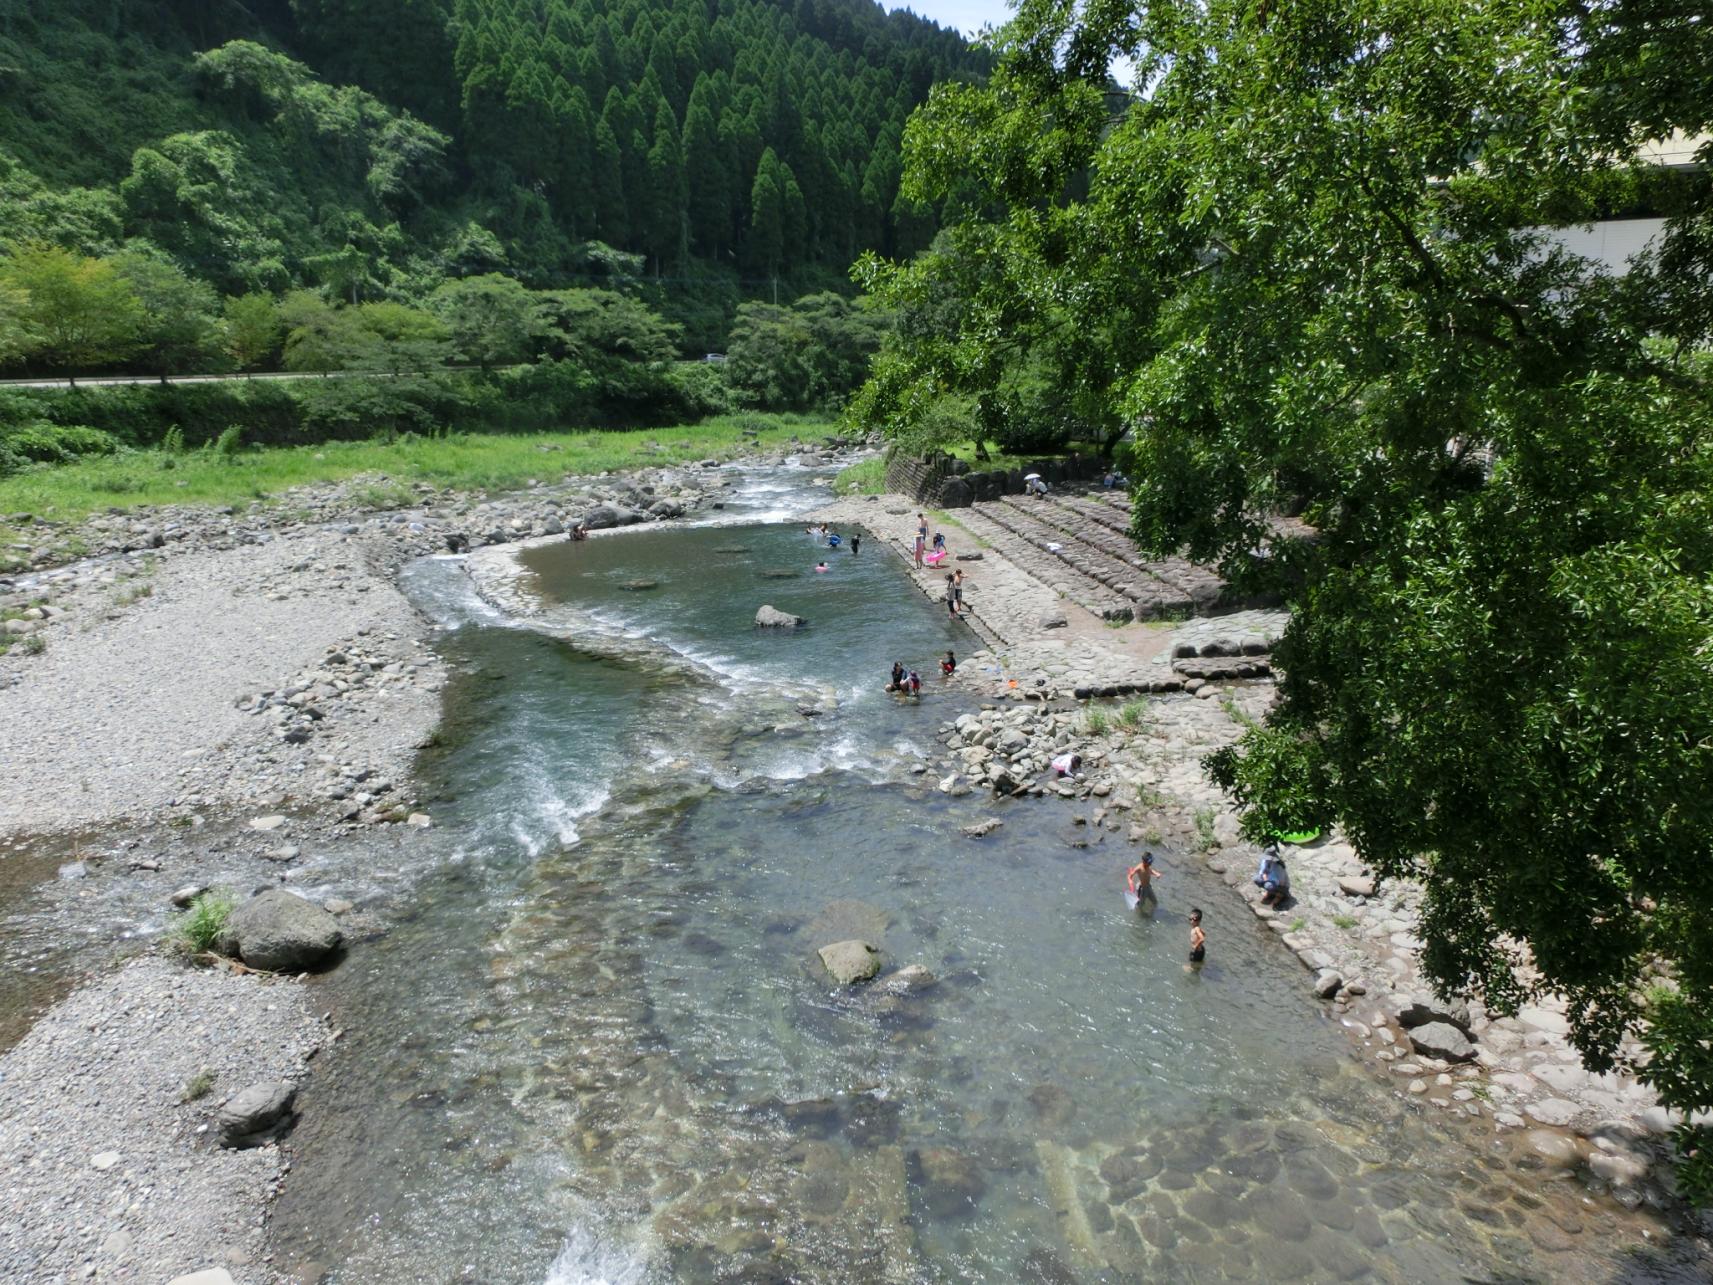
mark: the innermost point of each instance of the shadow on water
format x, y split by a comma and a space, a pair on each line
597, 1043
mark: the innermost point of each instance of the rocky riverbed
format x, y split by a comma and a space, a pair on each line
214, 698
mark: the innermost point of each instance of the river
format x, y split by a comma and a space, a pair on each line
593, 1041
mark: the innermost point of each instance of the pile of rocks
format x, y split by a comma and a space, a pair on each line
1009, 751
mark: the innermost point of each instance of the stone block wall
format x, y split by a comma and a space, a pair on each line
943, 482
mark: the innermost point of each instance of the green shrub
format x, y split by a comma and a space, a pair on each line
1204, 828
230, 441
197, 929
47, 443
198, 1086
1094, 721
1133, 714
173, 442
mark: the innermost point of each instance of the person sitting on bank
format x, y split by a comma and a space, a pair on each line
1273, 880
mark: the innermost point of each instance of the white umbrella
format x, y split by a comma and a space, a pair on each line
1031, 477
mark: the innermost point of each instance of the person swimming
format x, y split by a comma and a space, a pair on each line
833, 540
820, 566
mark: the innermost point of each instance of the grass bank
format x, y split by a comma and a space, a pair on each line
467, 461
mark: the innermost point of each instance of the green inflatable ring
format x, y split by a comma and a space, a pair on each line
1300, 836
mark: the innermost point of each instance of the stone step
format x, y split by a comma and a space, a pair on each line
1058, 575
1042, 524
1105, 523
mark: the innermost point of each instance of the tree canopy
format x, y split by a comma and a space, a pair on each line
1308, 266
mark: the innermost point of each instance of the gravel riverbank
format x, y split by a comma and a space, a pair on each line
110, 1173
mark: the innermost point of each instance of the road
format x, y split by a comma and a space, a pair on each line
100, 381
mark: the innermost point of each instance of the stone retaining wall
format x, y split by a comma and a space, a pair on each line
945, 482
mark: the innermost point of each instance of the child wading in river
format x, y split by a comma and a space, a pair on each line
1141, 877
1198, 940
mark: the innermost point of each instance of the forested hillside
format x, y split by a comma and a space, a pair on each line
692, 151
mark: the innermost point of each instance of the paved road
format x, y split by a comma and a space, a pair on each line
95, 381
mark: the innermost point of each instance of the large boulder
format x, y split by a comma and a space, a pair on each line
603, 516
257, 1114
1442, 1040
281, 932
772, 618
850, 962
1421, 1010
948, 1180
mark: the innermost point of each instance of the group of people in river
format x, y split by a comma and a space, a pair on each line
1140, 881
908, 682
830, 537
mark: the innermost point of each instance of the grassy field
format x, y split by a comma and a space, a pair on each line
467, 461
135, 479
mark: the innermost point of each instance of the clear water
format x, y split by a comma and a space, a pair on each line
594, 1043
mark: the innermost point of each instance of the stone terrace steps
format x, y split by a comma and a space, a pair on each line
1150, 598
1058, 575
1105, 523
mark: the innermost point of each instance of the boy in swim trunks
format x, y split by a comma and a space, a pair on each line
1198, 938
1142, 876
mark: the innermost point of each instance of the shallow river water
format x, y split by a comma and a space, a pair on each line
595, 1043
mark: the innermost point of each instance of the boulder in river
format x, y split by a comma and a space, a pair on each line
769, 617
851, 961
949, 1181
605, 516
281, 932
1442, 1040
256, 1114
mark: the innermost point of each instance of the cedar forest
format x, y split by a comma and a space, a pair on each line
327, 184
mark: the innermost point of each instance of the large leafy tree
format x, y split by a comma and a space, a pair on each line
491, 319
1320, 227
79, 313
180, 328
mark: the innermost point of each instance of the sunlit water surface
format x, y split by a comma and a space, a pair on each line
595, 1044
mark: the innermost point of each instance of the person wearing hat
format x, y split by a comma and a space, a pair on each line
1141, 877
1272, 878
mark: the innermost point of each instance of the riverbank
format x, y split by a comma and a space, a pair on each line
220, 699
333, 761
108, 1135
1174, 695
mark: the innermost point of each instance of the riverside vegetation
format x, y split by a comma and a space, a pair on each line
1313, 270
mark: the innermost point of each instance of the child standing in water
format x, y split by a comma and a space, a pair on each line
1198, 940
1142, 876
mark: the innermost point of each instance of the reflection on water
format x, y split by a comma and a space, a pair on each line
597, 1044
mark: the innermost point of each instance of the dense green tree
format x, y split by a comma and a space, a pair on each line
491, 319
1321, 232
252, 329
812, 354
409, 338
79, 313
322, 337
589, 326
180, 327
17, 339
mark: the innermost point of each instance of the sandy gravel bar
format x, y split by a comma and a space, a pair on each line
107, 1173
135, 703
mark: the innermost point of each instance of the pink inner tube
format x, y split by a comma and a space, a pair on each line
935, 558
